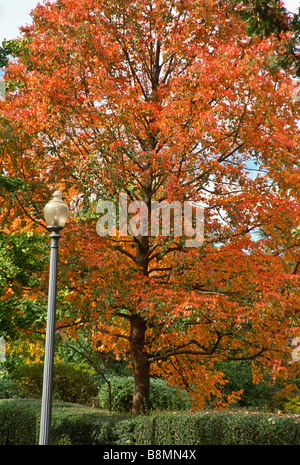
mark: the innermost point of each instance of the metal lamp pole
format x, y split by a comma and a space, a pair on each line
56, 214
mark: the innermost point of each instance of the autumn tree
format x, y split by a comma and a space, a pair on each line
164, 100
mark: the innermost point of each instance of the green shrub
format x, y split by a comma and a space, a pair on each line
162, 396
70, 384
9, 389
293, 405
167, 397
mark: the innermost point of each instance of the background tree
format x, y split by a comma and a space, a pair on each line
169, 100
23, 258
11, 49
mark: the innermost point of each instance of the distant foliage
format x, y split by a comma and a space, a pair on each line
266, 394
293, 405
162, 396
8, 388
70, 384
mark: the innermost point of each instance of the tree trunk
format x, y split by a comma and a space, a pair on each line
140, 366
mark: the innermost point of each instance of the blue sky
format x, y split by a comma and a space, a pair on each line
16, 13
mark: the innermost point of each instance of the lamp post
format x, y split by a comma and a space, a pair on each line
56, 214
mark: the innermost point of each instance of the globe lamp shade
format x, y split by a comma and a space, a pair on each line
56, 212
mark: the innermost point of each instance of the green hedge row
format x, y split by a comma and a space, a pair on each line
211, 428
72, 424
80, 425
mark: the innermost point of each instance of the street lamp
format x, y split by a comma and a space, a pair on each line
56, 214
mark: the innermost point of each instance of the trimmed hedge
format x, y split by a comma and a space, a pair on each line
211, 428
17, 422
74, 424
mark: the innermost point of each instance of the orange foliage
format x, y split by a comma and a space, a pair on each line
164, 100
